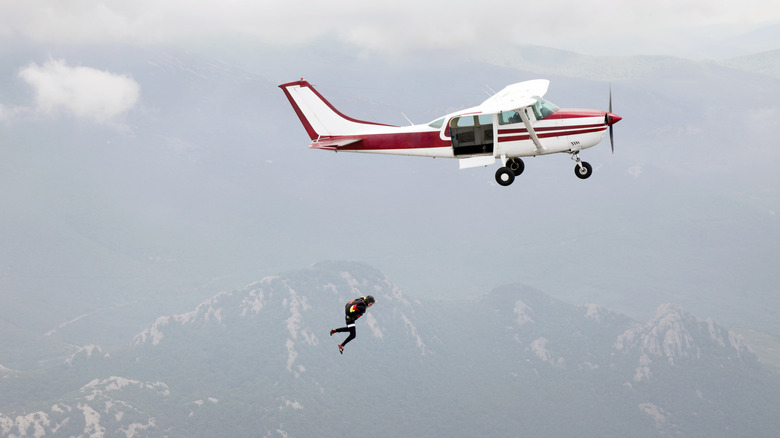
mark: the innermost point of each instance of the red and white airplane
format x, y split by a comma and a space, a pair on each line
515, 122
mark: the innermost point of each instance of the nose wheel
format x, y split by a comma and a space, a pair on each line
583, 170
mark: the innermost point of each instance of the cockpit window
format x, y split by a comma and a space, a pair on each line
509, 117
543, 108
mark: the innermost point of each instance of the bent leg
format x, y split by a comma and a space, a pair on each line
352, 335
349, 328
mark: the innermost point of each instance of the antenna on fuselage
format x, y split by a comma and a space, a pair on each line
489, 91
407, 119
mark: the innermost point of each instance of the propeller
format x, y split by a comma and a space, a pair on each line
611, 136
610, 119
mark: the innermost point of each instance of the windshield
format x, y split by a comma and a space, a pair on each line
543, 108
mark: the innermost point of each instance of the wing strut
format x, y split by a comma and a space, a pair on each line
531, 132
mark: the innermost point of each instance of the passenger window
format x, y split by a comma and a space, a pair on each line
509, 117
464, 121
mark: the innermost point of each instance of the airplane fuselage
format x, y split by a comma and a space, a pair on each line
563, 131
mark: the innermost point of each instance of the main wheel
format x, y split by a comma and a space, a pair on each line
504, 176
583, 171
516, 165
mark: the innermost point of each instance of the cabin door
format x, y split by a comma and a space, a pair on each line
472, 134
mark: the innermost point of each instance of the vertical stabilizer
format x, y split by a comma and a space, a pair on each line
317, 115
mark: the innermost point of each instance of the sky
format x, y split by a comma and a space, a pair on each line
594, 27
687, 28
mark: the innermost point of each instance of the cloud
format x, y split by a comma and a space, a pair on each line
400, 25
10, 113
82, 91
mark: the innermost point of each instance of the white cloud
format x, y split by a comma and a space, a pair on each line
10, 113
83, 91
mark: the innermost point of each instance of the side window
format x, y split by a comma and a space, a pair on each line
465, 121
509, 117
472, 121
485, 119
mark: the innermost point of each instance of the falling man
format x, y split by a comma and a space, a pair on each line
354, 310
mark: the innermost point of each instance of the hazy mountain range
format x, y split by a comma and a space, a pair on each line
258, 361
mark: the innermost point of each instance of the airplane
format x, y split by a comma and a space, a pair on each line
513, 123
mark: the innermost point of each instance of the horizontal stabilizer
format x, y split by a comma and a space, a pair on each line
481, 161
333, 143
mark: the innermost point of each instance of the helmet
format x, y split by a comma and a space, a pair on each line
369, 299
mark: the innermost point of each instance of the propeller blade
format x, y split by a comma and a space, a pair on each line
611, 139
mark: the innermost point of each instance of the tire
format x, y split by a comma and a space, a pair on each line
584, 171
516, 165
505, 176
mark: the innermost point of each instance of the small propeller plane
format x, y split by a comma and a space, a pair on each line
515, 122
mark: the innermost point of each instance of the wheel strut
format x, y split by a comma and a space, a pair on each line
583, 170
576, 157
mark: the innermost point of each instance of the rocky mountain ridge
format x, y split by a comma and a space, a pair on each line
261, 356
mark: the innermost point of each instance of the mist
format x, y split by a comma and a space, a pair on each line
141, 176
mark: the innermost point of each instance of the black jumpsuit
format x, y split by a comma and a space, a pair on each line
353, 310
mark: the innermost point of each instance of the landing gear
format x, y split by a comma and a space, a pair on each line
513, 167
516, 165
583, 170
505, 176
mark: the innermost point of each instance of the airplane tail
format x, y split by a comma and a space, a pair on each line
318, 116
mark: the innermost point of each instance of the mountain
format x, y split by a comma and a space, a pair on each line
767, 63
257, 361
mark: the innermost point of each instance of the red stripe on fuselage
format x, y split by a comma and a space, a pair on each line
406, 140
551, 128
574, 114
525, 136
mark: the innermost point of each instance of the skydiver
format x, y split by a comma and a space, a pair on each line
354, 310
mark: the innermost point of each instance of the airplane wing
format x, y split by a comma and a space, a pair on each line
519, 95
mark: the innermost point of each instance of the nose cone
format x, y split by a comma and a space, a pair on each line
611, 119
